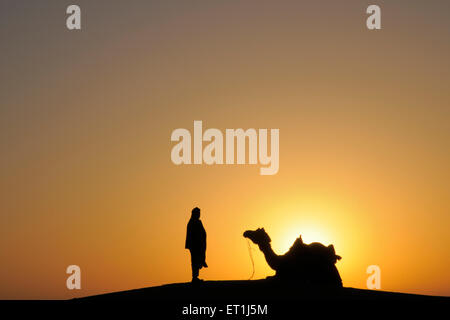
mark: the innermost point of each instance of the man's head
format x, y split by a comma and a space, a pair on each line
196, 213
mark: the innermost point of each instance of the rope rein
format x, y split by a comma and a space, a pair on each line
251, 258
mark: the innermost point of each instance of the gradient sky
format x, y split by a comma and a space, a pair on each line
86, 117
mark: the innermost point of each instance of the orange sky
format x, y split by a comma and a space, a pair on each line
86, 119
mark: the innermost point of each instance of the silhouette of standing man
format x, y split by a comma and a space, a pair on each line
196, 243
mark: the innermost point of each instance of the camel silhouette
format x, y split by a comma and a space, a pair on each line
307, 264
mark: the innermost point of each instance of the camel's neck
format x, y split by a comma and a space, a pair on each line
273, 260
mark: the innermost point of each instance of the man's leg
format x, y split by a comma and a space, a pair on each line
194, 273
203, 259
194, 265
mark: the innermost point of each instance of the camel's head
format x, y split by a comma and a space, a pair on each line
258, 236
